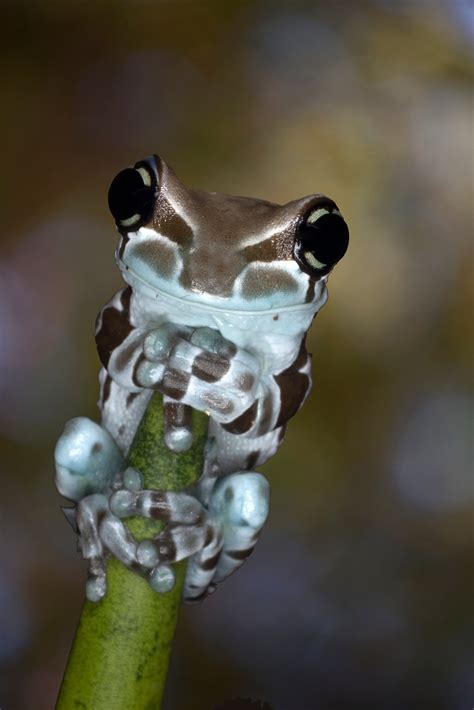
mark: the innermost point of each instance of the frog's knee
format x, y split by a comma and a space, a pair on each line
86, 459
242, 499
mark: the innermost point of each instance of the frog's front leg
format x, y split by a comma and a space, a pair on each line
193, 366
199, 368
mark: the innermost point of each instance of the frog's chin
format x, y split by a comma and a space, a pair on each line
216, 304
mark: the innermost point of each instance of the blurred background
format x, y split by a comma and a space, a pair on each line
359, 592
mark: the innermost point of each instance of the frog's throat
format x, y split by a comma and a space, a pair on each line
132, 278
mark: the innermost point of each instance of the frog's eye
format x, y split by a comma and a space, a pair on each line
321, 240
132, 196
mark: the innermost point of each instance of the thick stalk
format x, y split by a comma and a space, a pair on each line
120, 655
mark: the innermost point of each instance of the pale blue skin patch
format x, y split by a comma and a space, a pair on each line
87, 458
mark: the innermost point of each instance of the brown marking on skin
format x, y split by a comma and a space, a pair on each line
166, 548
278, 247
178, 415
246, 382
158, 255
125, 298
226, 349
310, 290
212, 230
125, 355
301, 358
175, 383
101, 516
106, 389
210, 535
96, 448
159, 508
276, 317
166, 219
210, 563
115, 328
293, 388
293, 385
168, 222
252, 459
141, 358
209, 367
221, 223
258, 283
123, 243
239, 554
130, 398
121, 430
243, 423
266, 413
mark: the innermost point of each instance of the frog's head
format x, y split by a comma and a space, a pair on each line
233, 253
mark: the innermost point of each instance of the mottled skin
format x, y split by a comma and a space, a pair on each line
220, 293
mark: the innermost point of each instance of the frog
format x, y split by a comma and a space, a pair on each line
220, 292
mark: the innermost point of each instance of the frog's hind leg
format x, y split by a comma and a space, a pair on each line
88, 514
121, 409
190, 531
239, 504
102, 534
88, 466
87, 459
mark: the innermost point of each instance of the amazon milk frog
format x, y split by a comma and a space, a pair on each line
220, 292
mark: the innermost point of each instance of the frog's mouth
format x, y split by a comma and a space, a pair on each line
202, 301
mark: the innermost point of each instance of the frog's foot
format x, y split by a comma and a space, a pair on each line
199, 368
102, 533
239, 506
190, 531
217, 540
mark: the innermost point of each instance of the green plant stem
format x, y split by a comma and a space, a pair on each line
120, 655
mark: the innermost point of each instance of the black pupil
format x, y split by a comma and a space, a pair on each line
128, 196
327, 239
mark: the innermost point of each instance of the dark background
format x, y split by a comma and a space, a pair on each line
358, 595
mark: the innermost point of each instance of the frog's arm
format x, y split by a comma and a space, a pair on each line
278, 399
196, 367
119, 341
